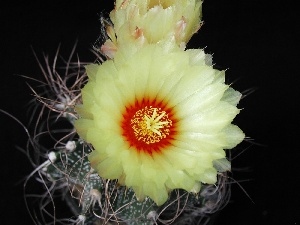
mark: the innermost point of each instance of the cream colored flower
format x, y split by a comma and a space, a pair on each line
152, 21
158, 120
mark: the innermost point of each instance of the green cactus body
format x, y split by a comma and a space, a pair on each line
100, 201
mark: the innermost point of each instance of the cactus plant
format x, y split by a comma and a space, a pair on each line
144, 126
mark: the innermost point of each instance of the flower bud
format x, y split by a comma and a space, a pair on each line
151, 21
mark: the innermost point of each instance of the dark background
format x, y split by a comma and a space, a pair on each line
257, 41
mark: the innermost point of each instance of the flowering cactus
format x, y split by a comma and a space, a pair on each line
149, 126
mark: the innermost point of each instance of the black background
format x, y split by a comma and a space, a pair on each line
257, 41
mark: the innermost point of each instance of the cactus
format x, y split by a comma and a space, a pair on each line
70, 168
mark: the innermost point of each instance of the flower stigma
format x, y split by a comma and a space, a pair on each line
148, 127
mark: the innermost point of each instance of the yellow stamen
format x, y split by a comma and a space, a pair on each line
150, 125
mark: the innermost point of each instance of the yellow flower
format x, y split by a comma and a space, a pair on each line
152, 21
157, 120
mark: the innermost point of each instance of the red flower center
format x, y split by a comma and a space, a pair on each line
148, 125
